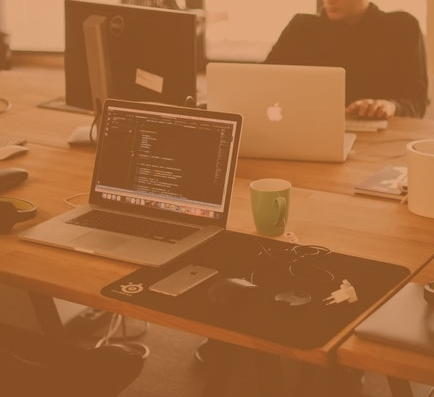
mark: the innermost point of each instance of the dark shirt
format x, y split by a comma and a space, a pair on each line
383, 55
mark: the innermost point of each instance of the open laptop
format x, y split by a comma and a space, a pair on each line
290, 112
168, 165
406, 320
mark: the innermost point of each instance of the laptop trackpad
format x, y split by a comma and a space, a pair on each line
98, 241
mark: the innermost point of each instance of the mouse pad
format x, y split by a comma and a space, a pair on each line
278, 268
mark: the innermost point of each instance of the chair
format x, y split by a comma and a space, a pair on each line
37, 365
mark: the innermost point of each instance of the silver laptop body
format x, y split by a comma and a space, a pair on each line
406, 320
174, 165
290, 112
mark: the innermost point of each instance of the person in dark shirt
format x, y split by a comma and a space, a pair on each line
383, 54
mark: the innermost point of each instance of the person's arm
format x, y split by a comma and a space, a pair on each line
406, 80
412, 72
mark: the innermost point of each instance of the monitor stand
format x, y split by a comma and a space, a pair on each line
95, 37
59, 103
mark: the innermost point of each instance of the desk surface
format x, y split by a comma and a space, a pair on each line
27, 87
373, 228
319, 218
371, 152
388, 360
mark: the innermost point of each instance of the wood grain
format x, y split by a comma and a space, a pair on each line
323, 211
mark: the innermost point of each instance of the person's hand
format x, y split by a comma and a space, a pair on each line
371, 109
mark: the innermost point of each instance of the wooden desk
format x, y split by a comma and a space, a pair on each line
27, 87
372, 228
371, 152
388, 360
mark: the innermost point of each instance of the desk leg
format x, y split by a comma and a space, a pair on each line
47, 314
269, 374
399, 387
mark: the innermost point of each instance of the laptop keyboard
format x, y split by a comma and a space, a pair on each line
356, 125
133, 226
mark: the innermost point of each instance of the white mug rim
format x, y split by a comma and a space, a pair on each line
412, 147
278, 185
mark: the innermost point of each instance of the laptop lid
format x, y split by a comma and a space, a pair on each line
165, 161
290, 112
406, 320
154, 161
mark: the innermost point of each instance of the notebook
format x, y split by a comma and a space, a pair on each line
173, 166
406, 321
289, 112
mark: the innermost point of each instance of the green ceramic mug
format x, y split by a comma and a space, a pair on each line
270, 205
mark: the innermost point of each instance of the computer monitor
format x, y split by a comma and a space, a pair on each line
149, 53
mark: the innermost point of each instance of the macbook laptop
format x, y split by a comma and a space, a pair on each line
406, 321
161, 185
290, 112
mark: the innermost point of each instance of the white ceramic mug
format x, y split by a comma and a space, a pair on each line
420, 175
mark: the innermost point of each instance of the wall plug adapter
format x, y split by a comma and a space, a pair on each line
345, 293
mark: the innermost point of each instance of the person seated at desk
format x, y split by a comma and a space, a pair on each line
383, 54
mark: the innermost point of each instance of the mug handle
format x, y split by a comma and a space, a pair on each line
280, 202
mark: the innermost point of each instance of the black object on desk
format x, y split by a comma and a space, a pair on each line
275, 266
230, 291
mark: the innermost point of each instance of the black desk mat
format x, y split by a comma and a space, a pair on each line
269, 264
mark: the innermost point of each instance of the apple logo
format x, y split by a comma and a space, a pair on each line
274, 112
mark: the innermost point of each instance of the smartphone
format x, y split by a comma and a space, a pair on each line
183, 280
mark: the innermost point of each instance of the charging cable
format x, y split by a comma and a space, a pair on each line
23, 360
190, 102
116, 321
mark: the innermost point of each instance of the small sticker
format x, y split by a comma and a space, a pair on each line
149, 80
292, 238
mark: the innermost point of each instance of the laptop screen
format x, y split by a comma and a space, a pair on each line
166, 161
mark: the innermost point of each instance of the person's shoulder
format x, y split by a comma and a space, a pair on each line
401, 19
305, 21
305, 18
